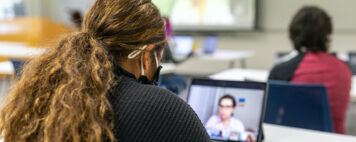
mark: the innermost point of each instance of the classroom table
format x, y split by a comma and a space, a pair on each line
167, 68
261, 76
276, 133
242, 74
6, 68
34, 31
207, 64
226, 55
19, 50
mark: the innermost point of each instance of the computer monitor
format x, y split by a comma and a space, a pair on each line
210, 15
183, 45
229, 110
210, 44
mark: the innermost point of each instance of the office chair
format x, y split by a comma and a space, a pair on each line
352, 62
18, 65
298, 105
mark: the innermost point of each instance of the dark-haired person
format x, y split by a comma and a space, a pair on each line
77, 18
99, 85
225, 125
310, 32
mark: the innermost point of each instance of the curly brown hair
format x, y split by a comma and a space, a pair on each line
62, 94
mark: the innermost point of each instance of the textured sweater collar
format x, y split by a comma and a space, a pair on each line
118, 70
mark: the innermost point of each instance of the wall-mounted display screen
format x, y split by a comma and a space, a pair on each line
209, 15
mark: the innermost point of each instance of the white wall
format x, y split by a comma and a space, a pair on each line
274, 20
276, 14
58, 10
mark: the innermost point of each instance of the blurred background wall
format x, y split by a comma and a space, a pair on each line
274, 15
270, 38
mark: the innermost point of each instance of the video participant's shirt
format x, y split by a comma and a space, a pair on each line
215, 127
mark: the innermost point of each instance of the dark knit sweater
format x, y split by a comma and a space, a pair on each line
145, 112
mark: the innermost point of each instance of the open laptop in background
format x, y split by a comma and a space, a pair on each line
210, 44
212, 101
183, 46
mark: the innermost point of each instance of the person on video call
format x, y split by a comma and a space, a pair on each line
225, 125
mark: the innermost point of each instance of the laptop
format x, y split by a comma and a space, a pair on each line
183, 45
210, 44
229, 110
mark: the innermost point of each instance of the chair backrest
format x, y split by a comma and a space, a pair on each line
352, 62
298, 105
18, 65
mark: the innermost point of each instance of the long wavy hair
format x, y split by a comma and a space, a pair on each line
62, 94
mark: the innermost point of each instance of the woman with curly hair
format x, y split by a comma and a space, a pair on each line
99, 84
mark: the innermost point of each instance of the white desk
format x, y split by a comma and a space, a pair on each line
18, 50
275, 133
15, 50
6, 68
261, 76
207, 64
224, 54
242, 74
168, 68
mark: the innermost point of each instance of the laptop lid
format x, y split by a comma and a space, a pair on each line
229, 110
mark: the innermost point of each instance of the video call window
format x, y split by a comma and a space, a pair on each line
228, 113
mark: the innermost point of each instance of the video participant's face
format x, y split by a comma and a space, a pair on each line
226, 108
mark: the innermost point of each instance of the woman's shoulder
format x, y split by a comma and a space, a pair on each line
148, 98
134, 92
153, 111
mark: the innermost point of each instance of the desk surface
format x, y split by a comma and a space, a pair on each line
275, 133
168, 68
18, 50
223, 54
6, 68
207, 64
242, 74
34, 31
261, 76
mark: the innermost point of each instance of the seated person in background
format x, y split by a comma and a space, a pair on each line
77, 19
224, 125
310, 32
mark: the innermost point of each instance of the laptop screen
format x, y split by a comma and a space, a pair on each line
229, 110
183, 45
